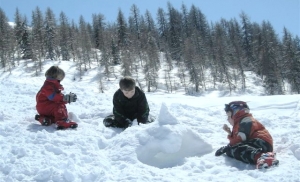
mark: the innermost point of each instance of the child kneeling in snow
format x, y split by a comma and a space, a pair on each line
249, 140
51, 103
129, 103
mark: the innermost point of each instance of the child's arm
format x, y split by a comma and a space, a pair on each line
143, 110
118, 110
52, 93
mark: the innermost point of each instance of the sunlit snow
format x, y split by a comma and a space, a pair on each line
178, 146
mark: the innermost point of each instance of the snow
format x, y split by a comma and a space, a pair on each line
179, 146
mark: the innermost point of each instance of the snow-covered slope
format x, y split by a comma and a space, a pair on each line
178, 146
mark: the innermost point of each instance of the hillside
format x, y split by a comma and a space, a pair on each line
178, 146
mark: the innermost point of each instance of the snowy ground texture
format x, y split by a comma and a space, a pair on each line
178, 146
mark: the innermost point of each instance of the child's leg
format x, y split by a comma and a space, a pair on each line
60, 112
46, 116
244, 152
259, 143
44, 120
61, 117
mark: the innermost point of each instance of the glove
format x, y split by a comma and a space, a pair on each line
128, 122
221, 150
70, 97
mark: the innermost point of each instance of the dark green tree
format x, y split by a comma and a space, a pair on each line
50, 26
38, 37
5, 41
270, 60
64, 41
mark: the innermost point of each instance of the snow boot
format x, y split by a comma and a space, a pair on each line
267, 160
45, 121
64, 124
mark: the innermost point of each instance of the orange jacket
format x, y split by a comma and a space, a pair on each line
246, 127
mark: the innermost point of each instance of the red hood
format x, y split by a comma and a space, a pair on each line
56, 83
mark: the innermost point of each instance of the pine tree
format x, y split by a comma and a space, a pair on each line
162, 28
50, 35
270, 60
122, 31
26, 41
64, 41
291, 60
73, 41
237, 55
4, 41
135, 21
38, 37
175, 32
152, 53
98, 30
220, 47
85, 44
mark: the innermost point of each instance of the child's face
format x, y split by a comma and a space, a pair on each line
129, 93
229, 119
60, 77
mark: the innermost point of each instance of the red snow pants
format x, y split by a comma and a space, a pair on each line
53, 110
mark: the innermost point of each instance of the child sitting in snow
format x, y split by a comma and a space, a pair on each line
129, 103
51, 103
249, 140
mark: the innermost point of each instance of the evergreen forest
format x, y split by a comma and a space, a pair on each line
202, 52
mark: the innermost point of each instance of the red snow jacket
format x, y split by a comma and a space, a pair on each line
49, 93
249, 128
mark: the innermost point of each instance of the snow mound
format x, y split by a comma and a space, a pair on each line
170, 143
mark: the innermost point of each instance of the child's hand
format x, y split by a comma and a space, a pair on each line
227, 129
70, 97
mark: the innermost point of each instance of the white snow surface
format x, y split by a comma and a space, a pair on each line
178, 146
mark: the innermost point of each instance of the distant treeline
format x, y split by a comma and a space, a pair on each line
219, 51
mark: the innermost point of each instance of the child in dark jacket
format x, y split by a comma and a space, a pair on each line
51, 103
249, 140
129, 103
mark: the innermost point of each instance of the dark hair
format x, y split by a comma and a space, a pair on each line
55, 72
127, 83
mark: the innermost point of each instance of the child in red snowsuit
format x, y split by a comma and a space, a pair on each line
249, 140
51, 103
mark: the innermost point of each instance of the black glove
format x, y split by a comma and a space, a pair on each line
70, 97
109, 121
221, 150
128, 122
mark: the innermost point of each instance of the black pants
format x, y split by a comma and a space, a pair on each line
246, 151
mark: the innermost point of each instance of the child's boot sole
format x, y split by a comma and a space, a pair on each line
73, 126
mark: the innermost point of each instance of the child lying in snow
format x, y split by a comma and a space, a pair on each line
51, 103
249, 141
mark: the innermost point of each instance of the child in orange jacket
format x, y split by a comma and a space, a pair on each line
249, 140
51, 103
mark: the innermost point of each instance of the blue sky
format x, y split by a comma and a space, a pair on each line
280, 13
